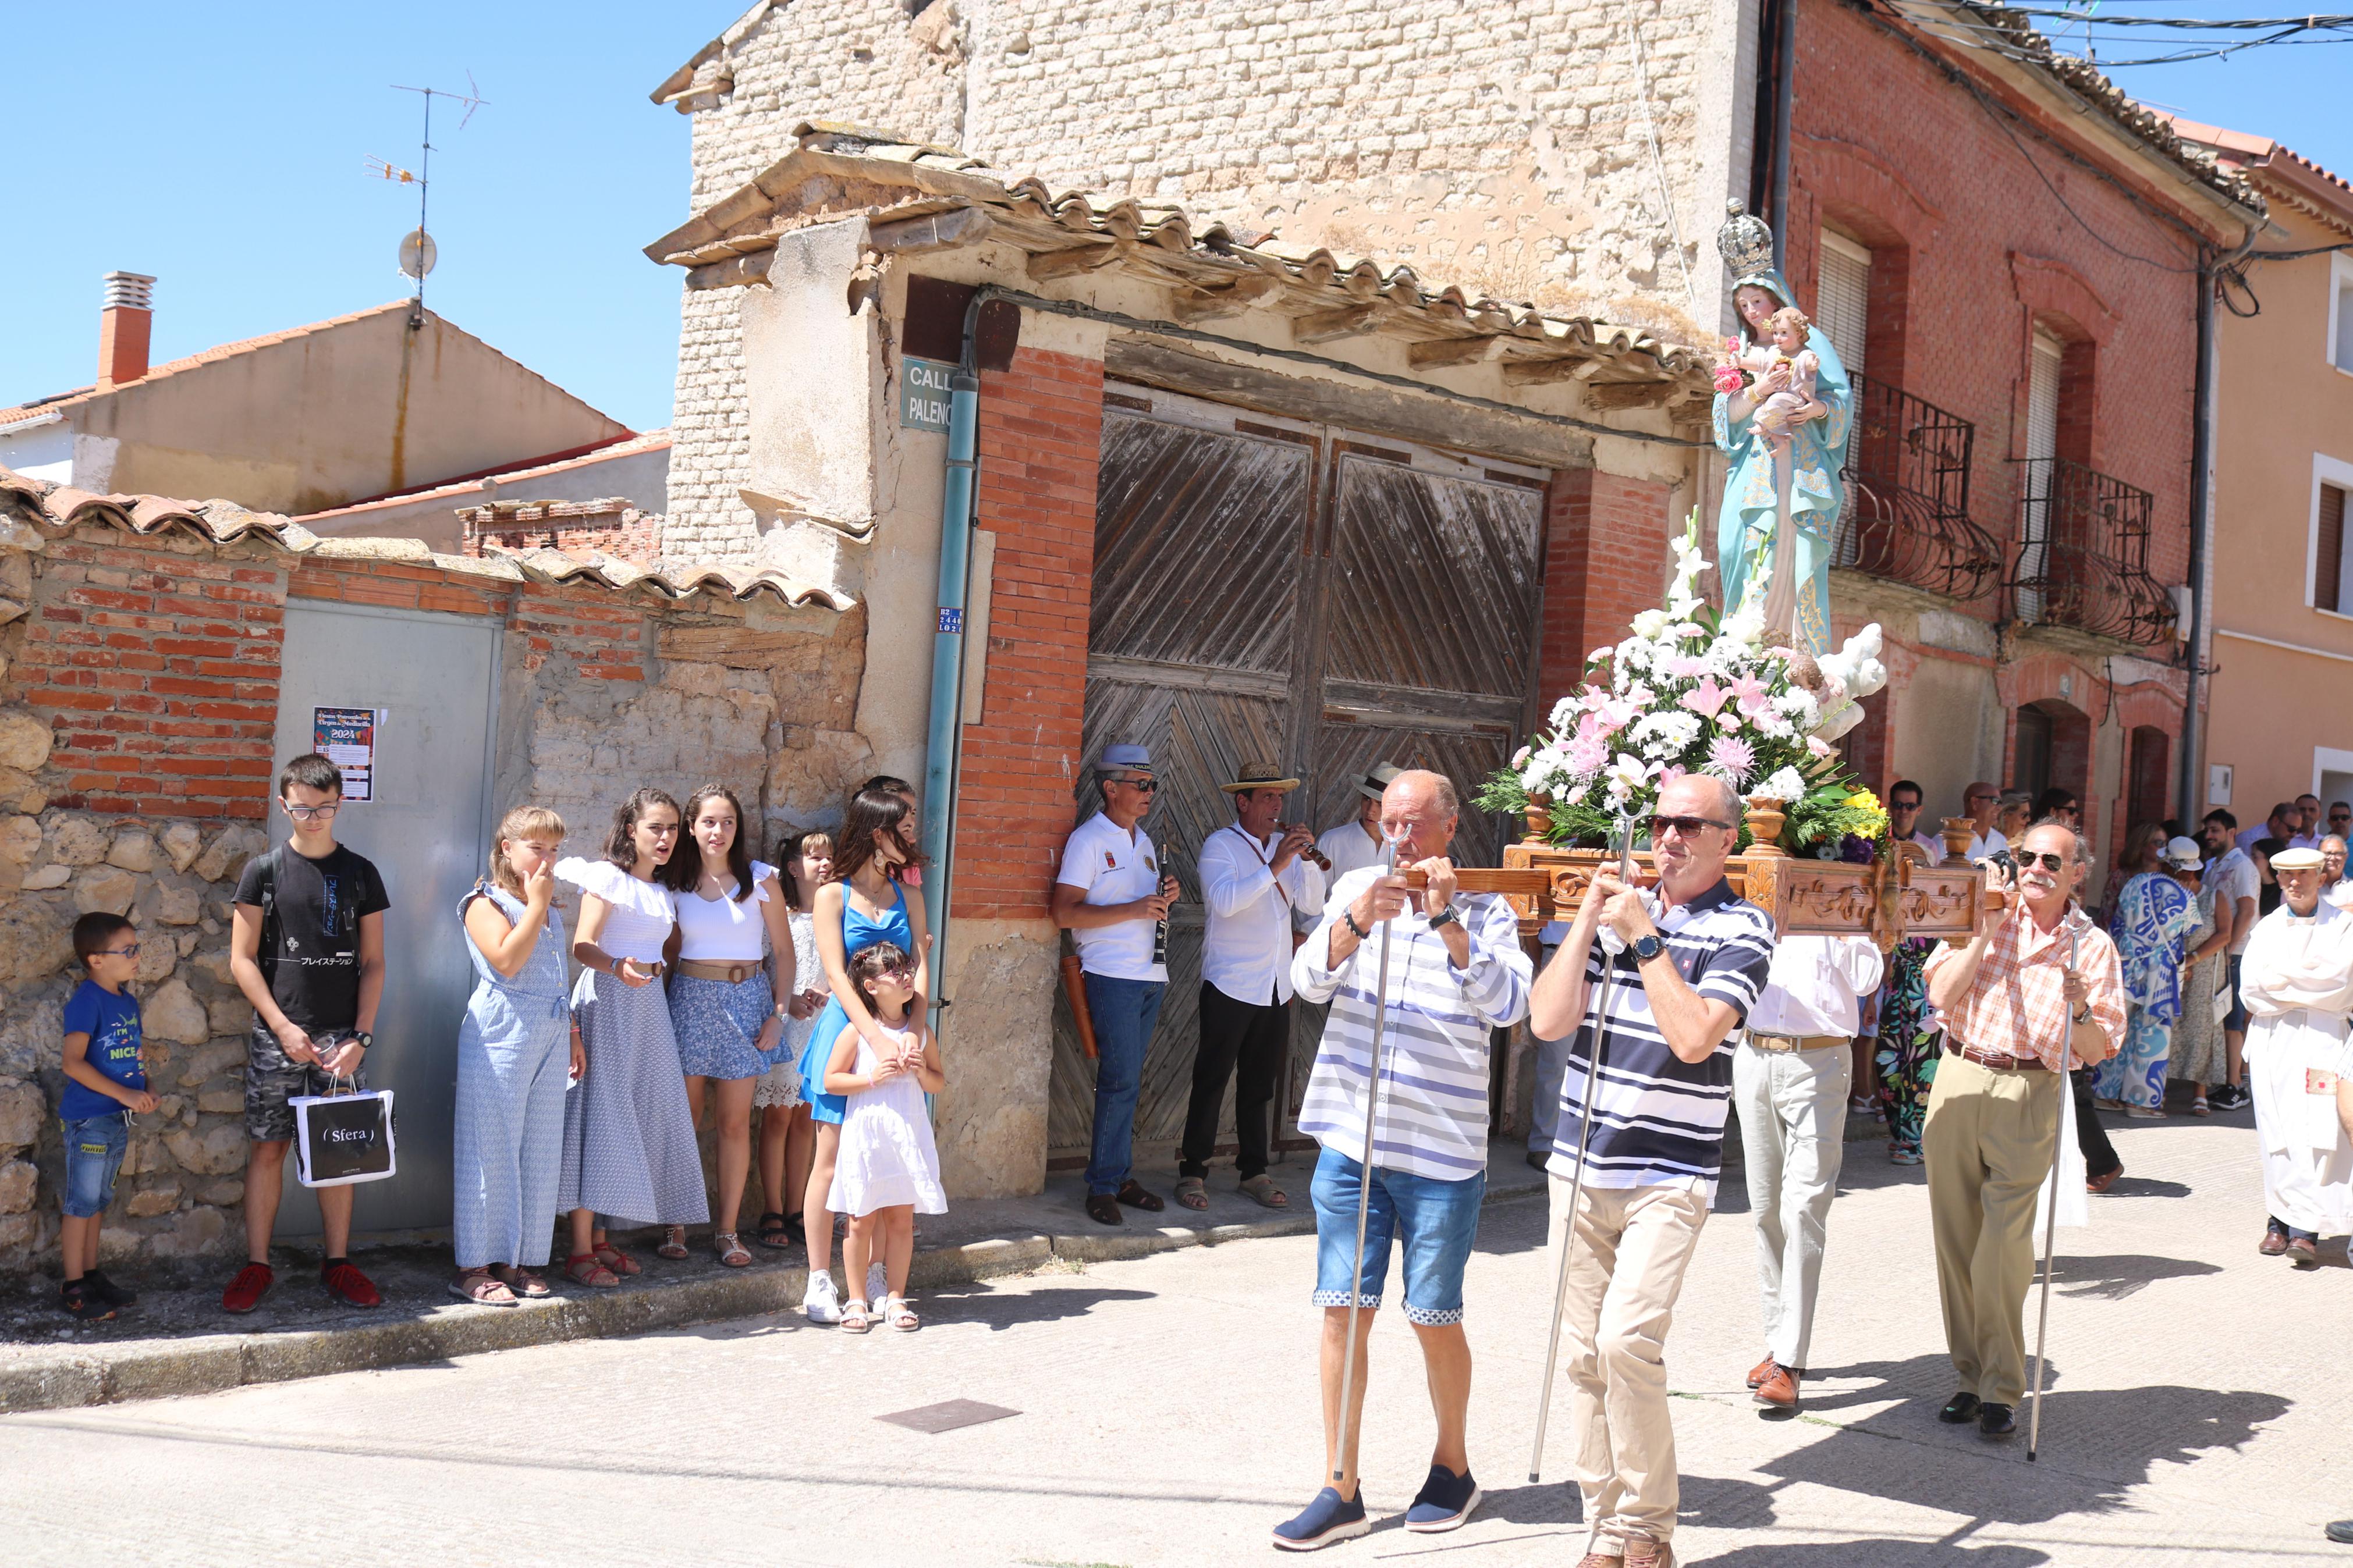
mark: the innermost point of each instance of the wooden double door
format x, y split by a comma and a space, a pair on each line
1279, 591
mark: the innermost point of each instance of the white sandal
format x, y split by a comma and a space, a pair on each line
900, 1316
855, 1319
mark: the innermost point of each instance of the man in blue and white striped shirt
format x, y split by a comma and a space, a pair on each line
1694, 960
1455, 971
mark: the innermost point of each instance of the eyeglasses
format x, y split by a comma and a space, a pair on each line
311, 812
1685, 826
1141, 787
130, 951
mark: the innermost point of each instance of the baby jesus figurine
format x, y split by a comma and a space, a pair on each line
1777, 412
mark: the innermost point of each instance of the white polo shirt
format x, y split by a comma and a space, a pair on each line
1115, 868
1816, 987
1984, 843
1349, 848
1245, 948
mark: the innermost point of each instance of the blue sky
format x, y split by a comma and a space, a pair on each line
221, 148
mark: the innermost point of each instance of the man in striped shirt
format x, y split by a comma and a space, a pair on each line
1694, 960
1455, 973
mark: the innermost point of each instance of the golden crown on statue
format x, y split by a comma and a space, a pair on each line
1744, 242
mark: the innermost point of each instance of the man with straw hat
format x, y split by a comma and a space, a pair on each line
1353, 845
1421, 978
1255, 874
2297, 981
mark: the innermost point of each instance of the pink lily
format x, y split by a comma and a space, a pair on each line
1707, 698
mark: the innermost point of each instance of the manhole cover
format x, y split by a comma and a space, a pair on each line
947, 1418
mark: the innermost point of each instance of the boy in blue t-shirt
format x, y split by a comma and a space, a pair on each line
104, 1083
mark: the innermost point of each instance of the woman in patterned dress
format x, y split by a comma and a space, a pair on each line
2197, 1054
2153, 914
1909, 1045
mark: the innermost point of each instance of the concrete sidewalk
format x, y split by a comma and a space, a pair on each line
176, 1341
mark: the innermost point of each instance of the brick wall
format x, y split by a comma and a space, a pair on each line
1041, 425
582, 530
1606, 562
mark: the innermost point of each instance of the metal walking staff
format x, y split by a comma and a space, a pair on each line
1611, 945
1346, 1451
2051, 1223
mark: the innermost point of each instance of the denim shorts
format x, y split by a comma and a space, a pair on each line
1435, 1220
2235, 1021
94, 1147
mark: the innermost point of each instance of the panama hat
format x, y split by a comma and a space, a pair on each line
1376, 783
1259, 775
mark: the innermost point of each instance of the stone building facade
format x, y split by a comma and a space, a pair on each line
140, 733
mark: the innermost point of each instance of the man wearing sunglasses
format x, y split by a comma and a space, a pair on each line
2297, 981
2038, 985
1110, 895
1694, 960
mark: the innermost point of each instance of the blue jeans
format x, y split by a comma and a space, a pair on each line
1125, 1012
94, 1150
1434, 1223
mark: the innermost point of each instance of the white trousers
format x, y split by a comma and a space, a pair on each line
1792, 1109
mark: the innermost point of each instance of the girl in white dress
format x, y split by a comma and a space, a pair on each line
887, 1169
788, 1138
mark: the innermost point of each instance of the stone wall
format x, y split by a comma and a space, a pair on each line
1505, 149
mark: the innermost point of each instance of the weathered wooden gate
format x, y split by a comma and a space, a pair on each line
1270, 589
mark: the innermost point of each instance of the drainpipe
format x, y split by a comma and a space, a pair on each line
946, 726
1785, 90
2191, 780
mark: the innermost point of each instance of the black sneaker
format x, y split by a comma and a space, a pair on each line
1996, 1420
107, 1290
84, 1304
1444, 1502
2229, 1096
1958, 1410
1328, 1518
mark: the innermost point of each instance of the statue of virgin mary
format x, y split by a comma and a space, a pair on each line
1773, 535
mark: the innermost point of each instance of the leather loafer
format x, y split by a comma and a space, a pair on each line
1960, 1408
1103, 1209
2304, 1252
2101, 1183
1762, 1370
1996, 1421
1778, 1391
1133, 1196
2273, 1243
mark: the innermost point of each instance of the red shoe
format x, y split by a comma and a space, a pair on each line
245, 1292
349, 1286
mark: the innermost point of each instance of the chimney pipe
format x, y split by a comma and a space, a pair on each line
123, 327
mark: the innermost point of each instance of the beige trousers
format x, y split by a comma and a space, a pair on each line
1632, 1245
1987, 1148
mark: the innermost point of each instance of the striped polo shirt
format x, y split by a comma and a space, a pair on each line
1433, 1120
1658, 1121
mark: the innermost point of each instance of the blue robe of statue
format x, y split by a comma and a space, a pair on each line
1753, 492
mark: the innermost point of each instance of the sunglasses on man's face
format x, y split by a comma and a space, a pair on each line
1143, 786
1687, 826
2049, 862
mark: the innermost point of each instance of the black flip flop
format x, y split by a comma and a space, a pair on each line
773, 1232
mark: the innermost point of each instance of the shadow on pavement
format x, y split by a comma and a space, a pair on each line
999, 1311
1880, 1553
2147, 1187
2114, 1277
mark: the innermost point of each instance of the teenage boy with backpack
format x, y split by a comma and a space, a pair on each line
308, 952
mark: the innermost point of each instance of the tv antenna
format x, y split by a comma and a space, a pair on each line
417, 251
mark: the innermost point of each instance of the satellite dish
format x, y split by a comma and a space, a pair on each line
417, 252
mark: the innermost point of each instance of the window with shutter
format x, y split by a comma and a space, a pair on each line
1842, 298
2328, 554
2340, 313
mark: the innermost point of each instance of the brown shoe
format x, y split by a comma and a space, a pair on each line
1762, 1370
2101, 1183
1600, 1560
2303, 1252
1103, 1209
1780, 1391
1131, 1195
2274, 1242
1649, 1554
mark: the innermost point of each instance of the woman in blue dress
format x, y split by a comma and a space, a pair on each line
1780, 508
516, 1051
863, 904
2154, 914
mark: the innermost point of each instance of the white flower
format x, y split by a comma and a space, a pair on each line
1650, 623
1785, 786
1564, 713
1799, 705
1773, 724
1676, 727
1626, 775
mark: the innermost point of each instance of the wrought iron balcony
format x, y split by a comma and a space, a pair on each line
1906, 517
2083, 553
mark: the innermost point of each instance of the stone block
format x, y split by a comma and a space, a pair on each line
17, 1182
225, 856
158, 956
131, 852
218, 1153
104, 887
196, 1233
20, 839
177, 906
211, 1060
183, 843
45, 878
18, 789
230, 1014
223, 1194
78, 841
149, 1201
221, 1101
24, 739
173, 1013
35, 942
18, 1230
23, 1110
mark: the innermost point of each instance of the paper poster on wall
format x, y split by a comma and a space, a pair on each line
347, 738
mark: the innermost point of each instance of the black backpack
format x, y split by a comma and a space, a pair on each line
272, 935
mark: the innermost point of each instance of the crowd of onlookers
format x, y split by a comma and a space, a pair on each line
694, 981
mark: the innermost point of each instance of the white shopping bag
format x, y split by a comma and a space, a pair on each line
2074, 1198
340, 1138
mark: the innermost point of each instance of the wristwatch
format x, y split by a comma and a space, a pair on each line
1647, 947
1445, 917
362, 1039
784, 1009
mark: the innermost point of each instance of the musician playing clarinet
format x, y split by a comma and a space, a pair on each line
1692, 960
2015, 1014
1455, 971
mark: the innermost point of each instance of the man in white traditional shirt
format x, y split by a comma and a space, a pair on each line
1982, 804
2297, 981
2231, 876
1789, 1082
1252, 880
2334, 886
1356, 843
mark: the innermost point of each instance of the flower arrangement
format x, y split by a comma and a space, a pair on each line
1693, 691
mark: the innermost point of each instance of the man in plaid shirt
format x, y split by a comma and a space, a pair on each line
2037, 985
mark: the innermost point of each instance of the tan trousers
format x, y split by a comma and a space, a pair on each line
1987, 1148
1632, 1245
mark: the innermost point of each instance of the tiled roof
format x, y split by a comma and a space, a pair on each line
36, 505
634, 445
919, 196
2281, 173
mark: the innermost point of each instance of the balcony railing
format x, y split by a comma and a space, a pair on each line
2083, 553
1906, 517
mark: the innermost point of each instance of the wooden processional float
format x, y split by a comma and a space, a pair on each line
1887, 901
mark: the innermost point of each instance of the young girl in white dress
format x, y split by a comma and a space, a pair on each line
888, 1169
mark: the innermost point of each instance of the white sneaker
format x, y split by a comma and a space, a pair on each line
821, 1301
878, 1282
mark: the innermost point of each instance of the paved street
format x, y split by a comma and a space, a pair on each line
1167, 1415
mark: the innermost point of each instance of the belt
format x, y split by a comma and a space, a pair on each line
1999, 1061
732, 973
1795, 1042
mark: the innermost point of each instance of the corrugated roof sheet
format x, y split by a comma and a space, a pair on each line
36, 505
